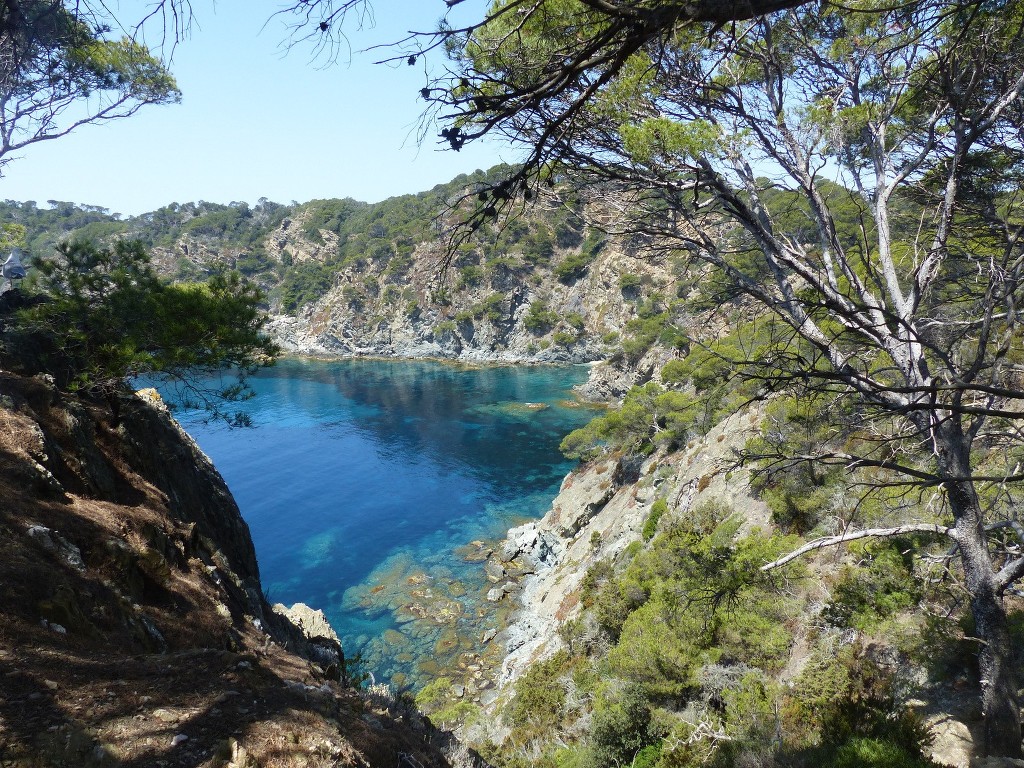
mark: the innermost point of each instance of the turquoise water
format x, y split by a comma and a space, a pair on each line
363, 482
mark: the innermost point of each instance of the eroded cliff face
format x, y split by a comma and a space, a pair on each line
425, 313
599, 512
480, 307
134, 628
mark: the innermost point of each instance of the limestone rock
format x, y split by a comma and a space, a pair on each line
55, 544
311, 621
494, 570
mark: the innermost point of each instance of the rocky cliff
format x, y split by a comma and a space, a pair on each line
545, 288
350, 278
488, 309
599, 512
134, 630
605, 513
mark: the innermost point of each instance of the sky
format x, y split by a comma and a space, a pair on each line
254, 122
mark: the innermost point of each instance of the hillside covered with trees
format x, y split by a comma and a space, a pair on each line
797, 230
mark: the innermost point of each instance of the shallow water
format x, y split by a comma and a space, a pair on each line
363, 482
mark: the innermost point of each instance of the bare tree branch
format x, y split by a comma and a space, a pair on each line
832, 541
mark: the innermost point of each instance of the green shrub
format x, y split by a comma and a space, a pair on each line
642, 333
564, 338
434, 695
536, 708
659, 508
353, 296
629, 282
694, 597
575, 265
469, 276
649, 416
620, 728
106, 317
862, 752
539, 318
879, 586
445, 326
304, 283
490, 308
798, 494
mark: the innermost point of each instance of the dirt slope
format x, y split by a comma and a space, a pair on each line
133, 631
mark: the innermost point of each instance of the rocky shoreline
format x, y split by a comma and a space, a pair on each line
599, 511
297, 336
518, 569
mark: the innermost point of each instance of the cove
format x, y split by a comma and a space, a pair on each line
371, 488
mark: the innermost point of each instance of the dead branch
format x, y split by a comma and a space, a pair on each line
832, 541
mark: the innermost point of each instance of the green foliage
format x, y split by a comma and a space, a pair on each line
445, 327
304, 283
469, 276
398, 266
539, 318
105, 317
653, 325
353, 296
620, 728
628, 428
692, 597
438, 701
564, 338
659, 508
575, 320
536, 708
799, 494
490, 308
574, 265
538, 247
12, 235
864, 752
61, 71
881, 585
649, 416
629, 283
331, 215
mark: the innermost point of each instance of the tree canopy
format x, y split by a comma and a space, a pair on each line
59, 70
911, 117
102, 316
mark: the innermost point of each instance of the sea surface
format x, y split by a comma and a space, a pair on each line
373, 490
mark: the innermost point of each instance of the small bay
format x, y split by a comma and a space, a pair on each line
372, 488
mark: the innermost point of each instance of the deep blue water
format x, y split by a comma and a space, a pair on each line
362, 479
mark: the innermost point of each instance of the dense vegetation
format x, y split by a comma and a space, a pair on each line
96, 317
379, 239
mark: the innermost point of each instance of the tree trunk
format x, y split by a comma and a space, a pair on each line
999, 701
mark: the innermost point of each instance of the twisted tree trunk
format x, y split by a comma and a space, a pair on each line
999, 699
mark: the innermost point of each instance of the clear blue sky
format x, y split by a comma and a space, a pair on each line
254, 123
